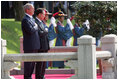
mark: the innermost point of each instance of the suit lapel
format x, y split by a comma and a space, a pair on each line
30, 20
40, 25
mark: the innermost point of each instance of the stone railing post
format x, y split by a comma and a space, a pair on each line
74, 65
6, 66
3, 51
86, 57
109, 66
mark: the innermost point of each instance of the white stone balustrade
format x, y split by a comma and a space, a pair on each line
74, 65
8, 66
109, 43
83, 61
86, 57
41, 56
3, 51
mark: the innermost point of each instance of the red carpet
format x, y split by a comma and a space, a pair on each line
52, 76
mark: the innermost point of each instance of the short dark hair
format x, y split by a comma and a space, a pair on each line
38, 11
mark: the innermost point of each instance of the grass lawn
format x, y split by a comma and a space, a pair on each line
11, 31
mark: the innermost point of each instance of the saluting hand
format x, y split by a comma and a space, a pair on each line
53, 21
87, 24
70, 24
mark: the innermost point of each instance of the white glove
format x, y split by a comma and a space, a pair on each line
53, 21
36, 26
70, 24
87, 24
46, 29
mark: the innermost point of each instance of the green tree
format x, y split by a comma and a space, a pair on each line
18, 9
101, 15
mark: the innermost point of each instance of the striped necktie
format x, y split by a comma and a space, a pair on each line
42, 25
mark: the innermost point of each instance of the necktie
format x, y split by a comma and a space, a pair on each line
42, 26
33, 19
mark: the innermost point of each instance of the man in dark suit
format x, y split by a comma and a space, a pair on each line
44, 42
31, 39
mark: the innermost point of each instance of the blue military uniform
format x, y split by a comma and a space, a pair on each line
78, 31
63, 34
52, 35
51, 32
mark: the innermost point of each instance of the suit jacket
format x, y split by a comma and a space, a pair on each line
43, 34
31, 39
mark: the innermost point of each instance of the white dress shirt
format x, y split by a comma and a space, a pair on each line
29, 15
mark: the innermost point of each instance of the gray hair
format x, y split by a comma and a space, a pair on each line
27, 6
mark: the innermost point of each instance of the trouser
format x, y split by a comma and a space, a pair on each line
41, 70
29, 67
